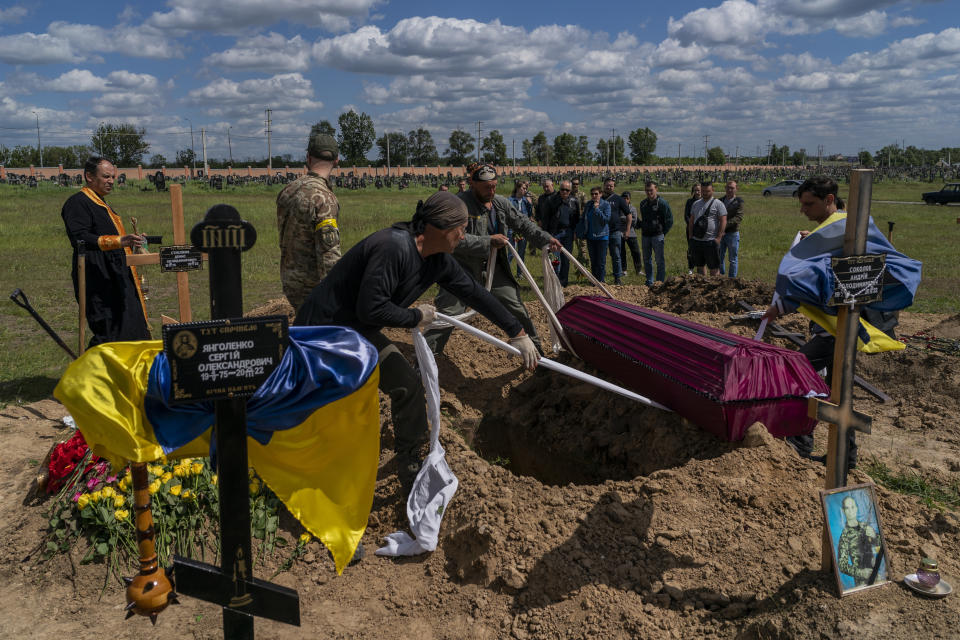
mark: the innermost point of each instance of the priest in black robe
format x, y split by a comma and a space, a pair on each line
115, 306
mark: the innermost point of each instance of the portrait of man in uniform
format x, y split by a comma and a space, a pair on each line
859, 553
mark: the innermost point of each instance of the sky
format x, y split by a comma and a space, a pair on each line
842, 74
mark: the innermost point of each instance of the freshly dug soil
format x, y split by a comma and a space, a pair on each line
579, 513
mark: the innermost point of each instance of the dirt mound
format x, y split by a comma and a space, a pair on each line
949, 328
579, 514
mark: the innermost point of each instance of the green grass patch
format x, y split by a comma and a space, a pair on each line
934, 495
35, 254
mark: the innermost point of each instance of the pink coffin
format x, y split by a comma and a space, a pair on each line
720, 381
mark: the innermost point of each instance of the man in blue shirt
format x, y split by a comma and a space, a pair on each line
620, 220
656, 219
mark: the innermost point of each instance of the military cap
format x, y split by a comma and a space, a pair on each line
323, 147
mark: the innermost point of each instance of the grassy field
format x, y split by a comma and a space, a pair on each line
35, 255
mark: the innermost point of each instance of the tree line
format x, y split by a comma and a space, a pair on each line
126, 145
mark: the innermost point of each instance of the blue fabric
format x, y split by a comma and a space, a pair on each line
566, 239
730, 241
320, 365
598, 257
596, 221
653, 245
615, 259
805, 277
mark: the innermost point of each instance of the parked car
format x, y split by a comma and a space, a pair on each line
949, 193
783, 188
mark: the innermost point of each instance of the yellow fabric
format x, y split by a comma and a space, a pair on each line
833, 217
879, 341
326, 222
324, 470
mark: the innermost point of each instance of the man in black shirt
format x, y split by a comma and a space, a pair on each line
560, 218
620, 220
374, 283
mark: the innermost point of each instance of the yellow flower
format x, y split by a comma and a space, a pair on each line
251, 473
187, 495
83, 500
179, 471
118, 501
154, 487
155, 469
163, 458
166, 476
108, 492
95, 496
175, 489
121, 514
123, 484
304, 539
196, 468
213, 479
254, 487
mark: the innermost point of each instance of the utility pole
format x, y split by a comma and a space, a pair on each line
613, 148
738, 156
819, 155
100, 137
387, 135
513, 152
229, 145
769, 146
678, 153
203, 146
39, 148
193, 151
478, 139
706, 142
269, 153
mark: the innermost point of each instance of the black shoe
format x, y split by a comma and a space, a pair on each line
618, 281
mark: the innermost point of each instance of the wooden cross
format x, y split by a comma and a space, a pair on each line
179, 238
839, 412
223, 235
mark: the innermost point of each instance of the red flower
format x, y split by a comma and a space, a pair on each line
64, 459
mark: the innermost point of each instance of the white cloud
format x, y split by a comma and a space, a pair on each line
32, 48
866, 25
75, 80
421, 88
449, 45
332, 15
265, 53
139, 41
127, 80
734, 22
13, 14
288, 93
670, 53
804, 62
921, 53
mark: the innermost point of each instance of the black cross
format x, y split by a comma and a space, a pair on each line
223, 236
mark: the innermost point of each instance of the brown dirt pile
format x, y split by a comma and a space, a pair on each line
579, 514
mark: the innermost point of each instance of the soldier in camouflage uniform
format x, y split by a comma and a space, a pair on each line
489, 217
858, 544
307, 214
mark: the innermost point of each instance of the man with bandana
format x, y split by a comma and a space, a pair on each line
307, 214
115, 308
374, 284
489, 217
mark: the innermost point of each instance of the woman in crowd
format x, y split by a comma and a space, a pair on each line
694, 196
594, 225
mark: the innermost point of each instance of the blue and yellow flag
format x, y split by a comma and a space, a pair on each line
805, 280
313, 426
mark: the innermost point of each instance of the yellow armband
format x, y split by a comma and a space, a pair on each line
326, 222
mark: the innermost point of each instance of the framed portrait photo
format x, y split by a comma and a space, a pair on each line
860, 559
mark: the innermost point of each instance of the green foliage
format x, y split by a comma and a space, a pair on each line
934, 495
643, 142
157, 161
494, 149
539, 150
423, 152
395, 147
611, 152
323, 126
185, 158
565, 149
184, 504
460, 150
356, 138
122, 144
715, 155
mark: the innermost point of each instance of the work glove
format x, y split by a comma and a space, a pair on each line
429, 314
527, 351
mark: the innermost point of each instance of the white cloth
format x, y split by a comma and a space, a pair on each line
435, 484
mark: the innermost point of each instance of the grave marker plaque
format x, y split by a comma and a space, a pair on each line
858, 279
222, 359
180, 258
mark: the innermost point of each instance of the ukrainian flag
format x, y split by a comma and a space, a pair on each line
805, 281
313, 426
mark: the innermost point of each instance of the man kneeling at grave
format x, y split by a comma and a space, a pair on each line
372, 286
804, 278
